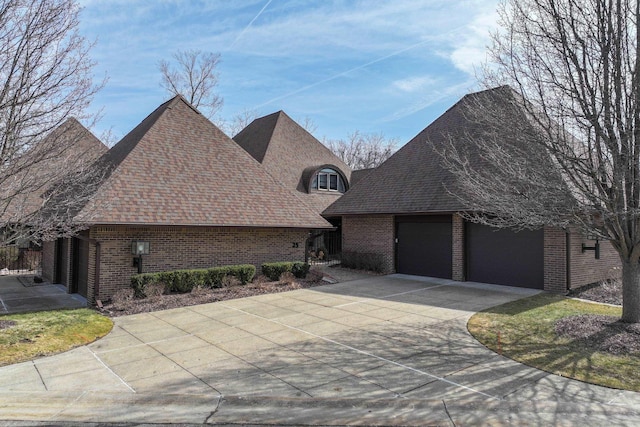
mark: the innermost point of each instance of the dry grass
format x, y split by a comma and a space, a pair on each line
527, 330
28, 336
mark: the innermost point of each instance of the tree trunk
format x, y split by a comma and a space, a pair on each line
630, 291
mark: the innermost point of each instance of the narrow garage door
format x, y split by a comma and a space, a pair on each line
505, 257
424, 246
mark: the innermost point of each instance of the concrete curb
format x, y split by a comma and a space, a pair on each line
99, 407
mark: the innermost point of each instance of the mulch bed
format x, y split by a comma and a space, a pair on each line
606, 334
608, 292
124, 303
603, 333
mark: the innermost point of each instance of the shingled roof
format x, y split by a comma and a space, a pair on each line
177, 168
69, 147
291, 155
413, 180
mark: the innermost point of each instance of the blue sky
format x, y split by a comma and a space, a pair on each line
373, 66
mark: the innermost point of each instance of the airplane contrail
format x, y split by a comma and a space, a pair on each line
344, 73
249, 25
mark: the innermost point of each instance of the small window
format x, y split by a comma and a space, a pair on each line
328, 180
322, 181
333, 182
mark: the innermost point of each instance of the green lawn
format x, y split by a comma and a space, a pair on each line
527, 335
49, 332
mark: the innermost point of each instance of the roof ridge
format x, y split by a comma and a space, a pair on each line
170, 179
321, 145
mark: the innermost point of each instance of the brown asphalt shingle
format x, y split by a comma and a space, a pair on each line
177, 168
68, 148
288, 152
413, 180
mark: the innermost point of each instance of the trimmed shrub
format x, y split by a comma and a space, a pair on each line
363, 261
244, 272
273, 270
139, 283
300, 269
183, 281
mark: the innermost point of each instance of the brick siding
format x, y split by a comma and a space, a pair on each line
458, 250
585, 269
555, 260
174, 248
371, 234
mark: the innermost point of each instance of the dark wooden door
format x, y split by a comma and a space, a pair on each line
80, 266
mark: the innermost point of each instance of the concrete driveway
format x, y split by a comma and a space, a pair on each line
390, 350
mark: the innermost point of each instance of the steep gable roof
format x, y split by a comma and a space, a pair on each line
414, 180
177, 168
287, 151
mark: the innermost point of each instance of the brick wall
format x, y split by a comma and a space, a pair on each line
174, 248
48, 261
457, 248
370, 233
585, 269
555, 260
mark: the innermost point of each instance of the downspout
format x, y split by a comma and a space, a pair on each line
96, 280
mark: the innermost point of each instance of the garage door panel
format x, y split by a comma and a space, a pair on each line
505, 257
424, 248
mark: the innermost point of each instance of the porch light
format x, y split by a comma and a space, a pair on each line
139, 248
595, 248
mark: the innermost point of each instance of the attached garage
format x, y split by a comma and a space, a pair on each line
424, 246
505, 257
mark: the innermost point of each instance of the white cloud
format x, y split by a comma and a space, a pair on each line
429, 98
414, 84
470, 50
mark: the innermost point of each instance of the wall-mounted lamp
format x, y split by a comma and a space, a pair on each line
139, 248
595, 248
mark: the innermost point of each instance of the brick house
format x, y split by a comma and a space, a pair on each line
302, 164
196, 197
69, 147
404, 212
297, 159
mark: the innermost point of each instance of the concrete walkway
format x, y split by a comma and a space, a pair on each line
15, 297
390, 350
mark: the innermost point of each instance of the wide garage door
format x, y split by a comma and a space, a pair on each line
505, 257
424, 246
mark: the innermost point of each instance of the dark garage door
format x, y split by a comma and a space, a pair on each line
505, 257
424, 246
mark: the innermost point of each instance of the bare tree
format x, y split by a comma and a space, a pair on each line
309, 125
193, 76
45, 78
363, 150
573, 66
109, 137
238, 122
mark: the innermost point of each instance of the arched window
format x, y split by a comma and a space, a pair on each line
328, 179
